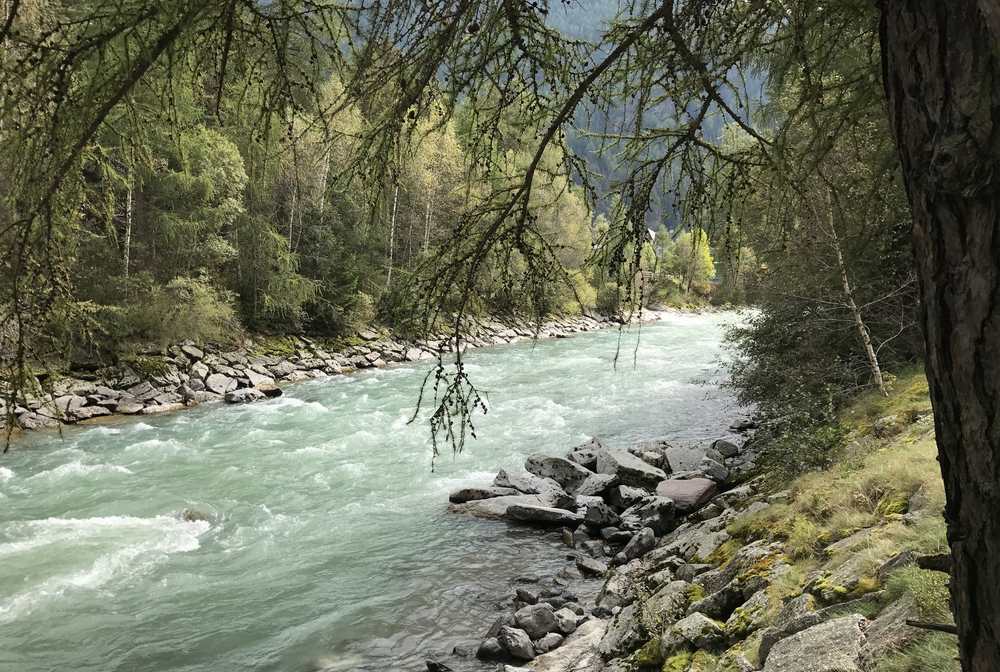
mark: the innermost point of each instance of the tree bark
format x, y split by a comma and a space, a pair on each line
941, 65
392, 237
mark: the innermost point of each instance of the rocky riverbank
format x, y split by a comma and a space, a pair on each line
707, 571
186, 374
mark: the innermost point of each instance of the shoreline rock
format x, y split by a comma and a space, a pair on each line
186, 374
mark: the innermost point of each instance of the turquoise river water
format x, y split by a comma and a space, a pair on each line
328, 537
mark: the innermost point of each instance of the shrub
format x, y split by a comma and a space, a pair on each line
185, 308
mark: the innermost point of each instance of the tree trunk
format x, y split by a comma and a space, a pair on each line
392, 237
941, 65
852, 305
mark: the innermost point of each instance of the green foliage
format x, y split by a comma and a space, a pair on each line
935, 652
184, 308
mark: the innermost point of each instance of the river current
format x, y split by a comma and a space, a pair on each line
327, 539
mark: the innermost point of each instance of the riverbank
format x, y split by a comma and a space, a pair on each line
186, 374
699, 572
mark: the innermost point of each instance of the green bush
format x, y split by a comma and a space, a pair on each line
184, 308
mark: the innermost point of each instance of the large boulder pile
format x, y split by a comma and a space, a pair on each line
616, 513
159, 380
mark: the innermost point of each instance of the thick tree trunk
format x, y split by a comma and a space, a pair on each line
942, 79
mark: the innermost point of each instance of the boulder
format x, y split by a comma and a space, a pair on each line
530, 484
689, 494
600, 515
543, 515
726, 448
496, 507
192, 352
629, 469
596, 484
245, 396
30, 420
656, 513
591, 566
714, 470
697, 630
129, 406
642, 543
578, 652
548, 642
669, 602
623, 634
536, 619
490, 649
586, 455
566, 620
624, 496
516, 643
258, 379
471, 494
219, 383
889, 633
68, 403
834, 646
566, 473
88, 412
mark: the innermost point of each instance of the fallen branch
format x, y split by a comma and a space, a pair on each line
937, 563
937, 627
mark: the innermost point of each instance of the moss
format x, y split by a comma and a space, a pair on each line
679, 662
277, 346
805, 538
829, 591
147, 367
702, 661
695, 592
649, 655
724, 553
865, 585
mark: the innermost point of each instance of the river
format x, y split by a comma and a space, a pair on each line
327, 535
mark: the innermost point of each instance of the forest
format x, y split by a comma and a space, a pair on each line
212, 171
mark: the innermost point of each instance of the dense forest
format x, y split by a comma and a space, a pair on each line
190, 170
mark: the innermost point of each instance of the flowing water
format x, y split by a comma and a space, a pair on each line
327, 536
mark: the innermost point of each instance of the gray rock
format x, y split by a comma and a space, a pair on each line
543, 515
162, 408
566, 473
219, 383
656, 513
596, 484
629, 469
471, 494
624, 496
30, 421
578, 652
129, 406
68, 403
889, 633
88, 412
714, 470
698, 630
834, 646
536, 619
566, 621
688, 494
258, 379
726, 448
496, 507
586, 455
688, 571
516, 643
527, 483
591, 566
623, 634
245, 396
641, 543
601, 515
490, 649
668, 603
548, 642
192, 351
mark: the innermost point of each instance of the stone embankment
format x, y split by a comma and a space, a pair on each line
676, 590
187, 374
